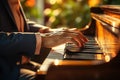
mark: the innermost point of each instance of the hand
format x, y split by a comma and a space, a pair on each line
44, 29
53, 39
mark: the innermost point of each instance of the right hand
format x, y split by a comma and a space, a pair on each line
60, 37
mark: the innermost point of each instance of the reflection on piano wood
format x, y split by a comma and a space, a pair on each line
99, 61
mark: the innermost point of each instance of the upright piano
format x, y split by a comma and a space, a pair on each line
103, 34
100, 57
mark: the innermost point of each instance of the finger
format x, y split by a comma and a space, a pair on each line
81, 42
71, 29
72, 40
77, 37
83, 37
80, 35
44, 30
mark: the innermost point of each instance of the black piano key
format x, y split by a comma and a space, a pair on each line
95, 46
89, 51
72, 48
83, 56
91, 42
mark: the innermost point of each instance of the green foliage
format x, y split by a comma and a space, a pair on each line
31, 12
112, 2
72, 14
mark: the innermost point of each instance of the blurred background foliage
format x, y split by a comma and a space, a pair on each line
64, 13
112, 2
67, 13
30, 9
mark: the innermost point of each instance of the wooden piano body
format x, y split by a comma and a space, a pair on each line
105, 28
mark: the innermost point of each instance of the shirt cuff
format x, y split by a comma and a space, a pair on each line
38, 43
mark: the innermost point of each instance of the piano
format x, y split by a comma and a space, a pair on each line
105, 37
99, 59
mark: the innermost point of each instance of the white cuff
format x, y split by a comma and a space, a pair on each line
38, 43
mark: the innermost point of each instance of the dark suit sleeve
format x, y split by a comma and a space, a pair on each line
17, 43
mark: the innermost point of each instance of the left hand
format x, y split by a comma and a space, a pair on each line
44, 29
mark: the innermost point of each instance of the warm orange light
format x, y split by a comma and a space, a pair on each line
47, 11
92, 3
52, 2
107, 58
99, 56
59, 1
56, 62
55, 1
52, 19
56, 12
30, 3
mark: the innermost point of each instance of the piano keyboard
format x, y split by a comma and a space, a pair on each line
91, 51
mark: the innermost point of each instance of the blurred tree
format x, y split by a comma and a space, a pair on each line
112, 2
30, 9
67, 13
